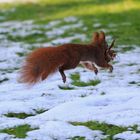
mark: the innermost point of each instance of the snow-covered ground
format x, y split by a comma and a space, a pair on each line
119, 105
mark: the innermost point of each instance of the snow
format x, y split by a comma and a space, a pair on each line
129, 135
118, 106
63, 130
19, 28
4, 136
70, 19
97, 25
68, 39
107, 109
62, 30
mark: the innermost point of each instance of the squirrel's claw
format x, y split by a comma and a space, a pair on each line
111, 69
96, 71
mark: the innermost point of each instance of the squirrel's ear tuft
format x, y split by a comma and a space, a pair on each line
102, 37
112, 44
95, 37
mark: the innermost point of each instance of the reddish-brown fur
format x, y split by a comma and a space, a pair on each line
44, 61
40, 63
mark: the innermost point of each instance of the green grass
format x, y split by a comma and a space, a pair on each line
66, 87
102, 93
10, 70
134, 83
77, 82
3, 80
21, 54
18, 115
108, 129
78, 138
128, 48
89, 11
29, 38
23, 115
75, 76
132, 64
84, 84
18, 131
40, 111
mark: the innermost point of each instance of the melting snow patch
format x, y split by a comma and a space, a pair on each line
70, 19
97, 25
61, 30
63, 130
69, 39
129, 135
4, 136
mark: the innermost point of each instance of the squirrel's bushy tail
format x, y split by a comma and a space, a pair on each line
41, 63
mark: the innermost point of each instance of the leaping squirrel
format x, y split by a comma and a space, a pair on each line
42, 62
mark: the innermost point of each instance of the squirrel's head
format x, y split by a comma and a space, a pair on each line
99, 40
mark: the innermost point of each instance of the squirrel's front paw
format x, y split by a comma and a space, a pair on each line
64, 79
110, 68
96, 71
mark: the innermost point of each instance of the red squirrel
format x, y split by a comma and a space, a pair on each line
42, 62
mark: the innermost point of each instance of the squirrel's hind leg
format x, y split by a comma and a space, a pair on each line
61, 70
66, 67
